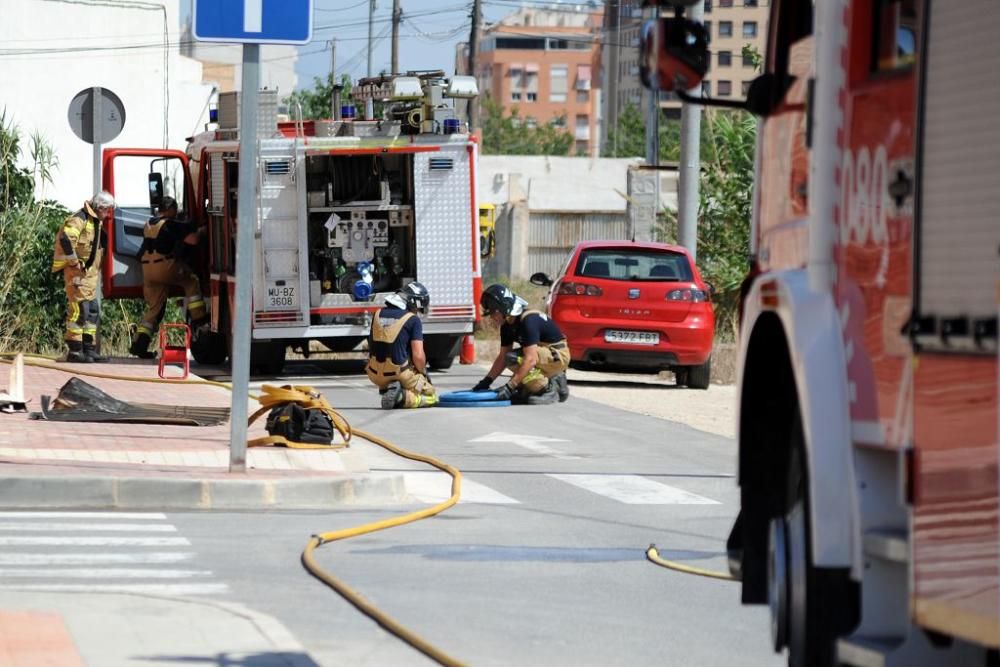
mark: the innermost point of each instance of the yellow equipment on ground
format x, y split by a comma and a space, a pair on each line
487, 231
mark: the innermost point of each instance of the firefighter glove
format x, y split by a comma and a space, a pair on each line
484, 384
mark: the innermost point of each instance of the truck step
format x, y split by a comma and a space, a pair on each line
888, 544
915, 649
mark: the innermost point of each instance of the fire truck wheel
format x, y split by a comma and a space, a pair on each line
267, 357
813, 594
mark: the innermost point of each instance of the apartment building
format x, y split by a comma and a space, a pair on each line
731, 24
542, 61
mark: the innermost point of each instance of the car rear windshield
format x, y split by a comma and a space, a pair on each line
651, 265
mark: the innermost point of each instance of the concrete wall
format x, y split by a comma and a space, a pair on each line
52, 50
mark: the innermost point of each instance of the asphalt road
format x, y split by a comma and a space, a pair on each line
542, 563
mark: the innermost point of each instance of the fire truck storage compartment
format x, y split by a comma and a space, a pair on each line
360, 231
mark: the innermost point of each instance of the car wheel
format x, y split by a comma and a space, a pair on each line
268, 357
698, 377
682, 375
209, 348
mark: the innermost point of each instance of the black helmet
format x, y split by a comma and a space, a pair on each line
414, 296
499, 299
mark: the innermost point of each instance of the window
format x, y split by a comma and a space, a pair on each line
582, 128
745, 88
725, 88
558, 75
708, 30
531, 97
582, 97
725, 28
747, 60
533, 43
749, 3
725, 3
515, 96
531, 122
651, 265
749, 29
725, 58
708, 6
706, 88
558, 121
895, 39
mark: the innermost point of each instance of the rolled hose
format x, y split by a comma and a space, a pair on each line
308, 561
654, 557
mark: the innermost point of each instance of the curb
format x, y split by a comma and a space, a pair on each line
104, 492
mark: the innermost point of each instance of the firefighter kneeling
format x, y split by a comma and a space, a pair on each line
397, 364
539, 366
164, 241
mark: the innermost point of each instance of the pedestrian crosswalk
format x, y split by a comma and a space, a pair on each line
435, 487
111, 552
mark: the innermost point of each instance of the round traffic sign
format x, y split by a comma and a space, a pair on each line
111, 115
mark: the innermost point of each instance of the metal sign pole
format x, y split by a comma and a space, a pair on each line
690, 164
246, 223
96, 121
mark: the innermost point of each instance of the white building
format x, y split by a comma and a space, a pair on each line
52, 49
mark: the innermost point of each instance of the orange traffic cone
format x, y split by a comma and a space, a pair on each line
468, 354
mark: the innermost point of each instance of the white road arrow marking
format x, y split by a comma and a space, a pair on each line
634, 490
253, 16
532, 442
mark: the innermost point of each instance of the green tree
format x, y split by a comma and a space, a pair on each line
511, 135
725, 197
30, 295
628, 137
316, 101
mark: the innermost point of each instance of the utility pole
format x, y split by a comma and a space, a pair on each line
371, 19
477, 15
690, 164
653, 132
397, 15
614, 69
333, 74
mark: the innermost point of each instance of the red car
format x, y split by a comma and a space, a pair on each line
637, 307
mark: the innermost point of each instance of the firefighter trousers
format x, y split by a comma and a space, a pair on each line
552, 360
83, 312
159, 274
418, 392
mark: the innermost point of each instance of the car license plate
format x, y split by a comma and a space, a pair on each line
282, 296
632, 337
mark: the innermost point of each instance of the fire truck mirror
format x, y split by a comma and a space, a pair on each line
155, 190
675, 54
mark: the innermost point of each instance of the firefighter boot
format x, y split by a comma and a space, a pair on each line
140, 347
562, 386
91, 351
393, 396
76, 353
549, 395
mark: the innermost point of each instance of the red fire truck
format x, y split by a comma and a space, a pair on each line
348, 211
868, 420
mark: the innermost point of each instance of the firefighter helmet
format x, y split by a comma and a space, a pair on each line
499, 299
413, 297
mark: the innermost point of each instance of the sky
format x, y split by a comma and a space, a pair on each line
429, 32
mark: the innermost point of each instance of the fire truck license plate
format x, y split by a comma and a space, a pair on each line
282, 296
633, 337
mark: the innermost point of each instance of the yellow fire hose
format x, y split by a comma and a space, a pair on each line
654, 557
273, 395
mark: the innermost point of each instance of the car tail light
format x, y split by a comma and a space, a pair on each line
693, 295
580, 289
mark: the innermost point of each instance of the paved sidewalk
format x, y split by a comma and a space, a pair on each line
111, 629
106, 465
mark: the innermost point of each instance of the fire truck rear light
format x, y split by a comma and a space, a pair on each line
692, 295
580, 289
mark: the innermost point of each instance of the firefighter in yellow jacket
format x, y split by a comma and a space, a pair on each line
164, 239
397, 364
79, 248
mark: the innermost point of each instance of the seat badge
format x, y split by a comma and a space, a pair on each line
633, 293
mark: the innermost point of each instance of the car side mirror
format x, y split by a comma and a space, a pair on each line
540, 279
155, 190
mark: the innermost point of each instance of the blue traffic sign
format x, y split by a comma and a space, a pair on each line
253, 21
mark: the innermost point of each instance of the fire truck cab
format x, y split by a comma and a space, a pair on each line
868, 418
348, 211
